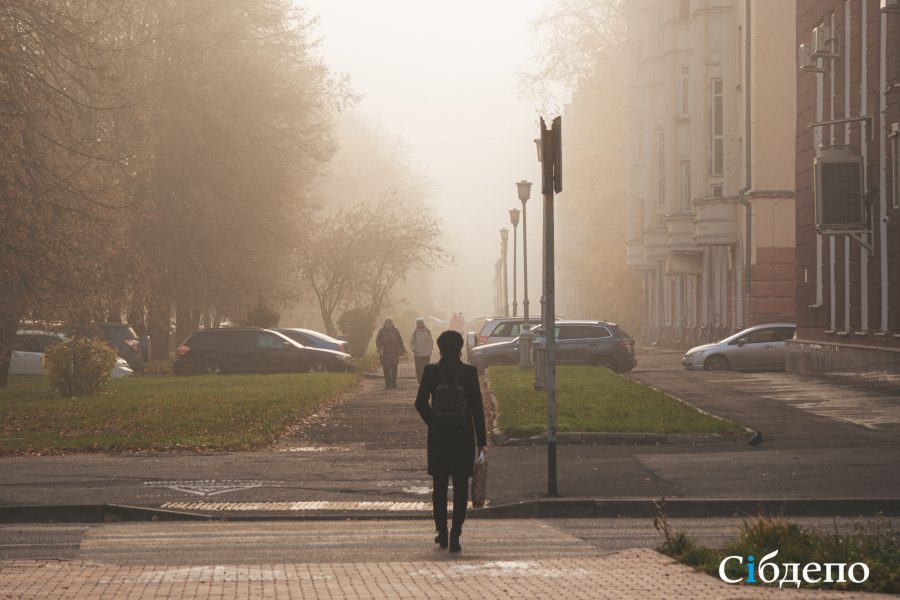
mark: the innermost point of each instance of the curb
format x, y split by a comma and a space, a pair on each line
690, 508
560, 508
621, 438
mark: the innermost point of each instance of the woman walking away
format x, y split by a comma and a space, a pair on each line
455, 419
389, 344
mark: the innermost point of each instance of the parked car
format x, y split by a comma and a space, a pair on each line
251, 350
28, 354
314, 339
578, 342
122, 338
497, 329
760, 347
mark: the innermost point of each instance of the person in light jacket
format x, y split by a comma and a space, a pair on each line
422, 345
451, 453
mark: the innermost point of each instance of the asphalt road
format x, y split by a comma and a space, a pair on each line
219, 543
370, 447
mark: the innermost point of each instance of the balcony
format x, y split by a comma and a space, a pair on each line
656, 243
634, 255
715, 221
681, 231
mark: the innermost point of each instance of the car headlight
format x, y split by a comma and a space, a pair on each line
694, 354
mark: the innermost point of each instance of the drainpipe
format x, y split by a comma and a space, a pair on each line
742, 194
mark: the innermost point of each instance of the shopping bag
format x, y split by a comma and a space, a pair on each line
479, 482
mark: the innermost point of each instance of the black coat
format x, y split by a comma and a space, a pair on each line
452, 452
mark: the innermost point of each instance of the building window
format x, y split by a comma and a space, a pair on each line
715, 191
684, 9
660, 168
716, 129
684, 189
684, 88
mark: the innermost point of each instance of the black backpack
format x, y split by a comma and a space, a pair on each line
449, 408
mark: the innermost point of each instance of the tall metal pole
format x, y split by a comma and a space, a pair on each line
514, 219
551, 179
523, 189
504, 254
524, 264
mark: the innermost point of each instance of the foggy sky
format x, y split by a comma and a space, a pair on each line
443, 77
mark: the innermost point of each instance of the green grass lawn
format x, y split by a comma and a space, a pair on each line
232, 412
594, 399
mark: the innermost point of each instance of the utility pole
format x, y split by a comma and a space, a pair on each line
551, 182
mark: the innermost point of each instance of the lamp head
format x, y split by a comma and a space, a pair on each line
524, 188
504, 235
514, 216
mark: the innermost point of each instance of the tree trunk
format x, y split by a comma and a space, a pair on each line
159, 318
182, 319
8, 326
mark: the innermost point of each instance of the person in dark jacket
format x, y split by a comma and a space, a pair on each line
451, 453
389, 344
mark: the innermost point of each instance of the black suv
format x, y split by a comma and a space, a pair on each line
247, 350
577, 342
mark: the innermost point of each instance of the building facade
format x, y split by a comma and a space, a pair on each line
710, 220
848, 202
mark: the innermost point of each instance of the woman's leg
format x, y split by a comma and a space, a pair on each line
439, 502
460, 501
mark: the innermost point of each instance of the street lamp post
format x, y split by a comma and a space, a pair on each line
504, 242
525, 338
514, 219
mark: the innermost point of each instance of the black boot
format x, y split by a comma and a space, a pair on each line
454, 542
441, 539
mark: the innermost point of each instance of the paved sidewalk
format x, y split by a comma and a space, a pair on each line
638, 574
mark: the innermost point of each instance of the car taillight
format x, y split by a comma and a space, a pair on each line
182, 350
481, 339
341, 348
132, 343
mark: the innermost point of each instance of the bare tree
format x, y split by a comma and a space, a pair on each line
357, 257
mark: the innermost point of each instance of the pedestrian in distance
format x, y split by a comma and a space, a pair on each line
455, 420
389, 344
422, 345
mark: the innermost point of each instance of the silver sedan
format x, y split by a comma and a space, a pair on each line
760, 347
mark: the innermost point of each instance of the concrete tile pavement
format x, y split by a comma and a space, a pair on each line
630, 574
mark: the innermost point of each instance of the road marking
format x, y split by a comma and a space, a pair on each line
305, 506
210, 487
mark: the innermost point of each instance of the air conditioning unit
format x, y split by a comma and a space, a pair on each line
839, 189
890, 5
823, 45
808, 64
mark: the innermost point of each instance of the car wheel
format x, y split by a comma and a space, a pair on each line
212, 366
716, 363
605, 361
316, 366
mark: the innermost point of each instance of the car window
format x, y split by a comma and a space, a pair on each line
267, 340
241, 338
783, 333
580, 332
42, 342
760, 336
22, 343
504, 330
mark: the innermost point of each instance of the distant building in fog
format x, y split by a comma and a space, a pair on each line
848, 248
693, 182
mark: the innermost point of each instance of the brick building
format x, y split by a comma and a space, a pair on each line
847, 202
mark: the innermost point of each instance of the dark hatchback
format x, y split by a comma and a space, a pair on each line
216, 351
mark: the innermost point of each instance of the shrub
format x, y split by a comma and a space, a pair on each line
358, 324
79, 367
